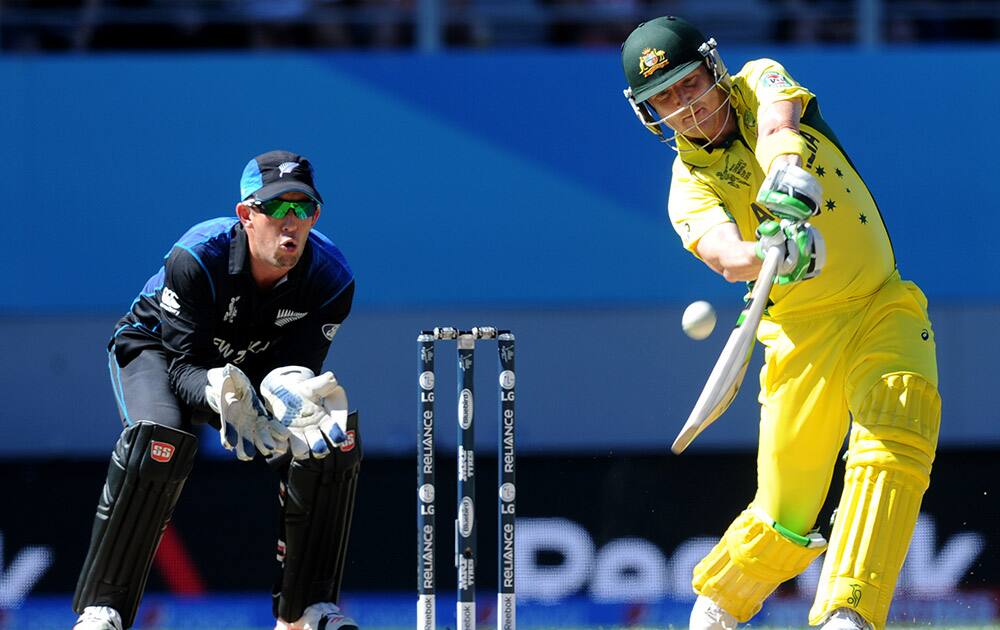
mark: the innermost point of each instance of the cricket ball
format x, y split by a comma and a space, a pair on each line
698, 320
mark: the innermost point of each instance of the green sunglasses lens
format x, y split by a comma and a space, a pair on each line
278, 208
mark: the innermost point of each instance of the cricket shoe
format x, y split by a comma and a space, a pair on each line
707, 615
99, 618
845, 619
320, 616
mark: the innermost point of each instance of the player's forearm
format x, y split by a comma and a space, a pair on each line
188, 382
726, 253
780, 115
777, 136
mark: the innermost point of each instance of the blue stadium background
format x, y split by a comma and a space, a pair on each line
511, 188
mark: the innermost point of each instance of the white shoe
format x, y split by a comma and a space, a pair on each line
321, 616
845, 619
707, 615
99, 618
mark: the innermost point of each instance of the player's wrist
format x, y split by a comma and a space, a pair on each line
788, 158
785, 143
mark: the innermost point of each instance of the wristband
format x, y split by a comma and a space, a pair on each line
782, 142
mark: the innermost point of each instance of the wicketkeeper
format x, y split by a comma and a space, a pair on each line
845, 338
232, 331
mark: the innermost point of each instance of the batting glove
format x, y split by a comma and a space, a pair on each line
802, 246
790, 192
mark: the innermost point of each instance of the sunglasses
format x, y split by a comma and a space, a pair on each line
278, 208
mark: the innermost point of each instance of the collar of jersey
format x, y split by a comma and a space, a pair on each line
239, 250
694, 155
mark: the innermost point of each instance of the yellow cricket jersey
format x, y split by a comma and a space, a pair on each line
720, 185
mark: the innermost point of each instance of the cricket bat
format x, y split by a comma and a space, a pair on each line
727, 375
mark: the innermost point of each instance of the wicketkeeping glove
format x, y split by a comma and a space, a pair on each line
790, 192
245, 424
313, 408
802, 246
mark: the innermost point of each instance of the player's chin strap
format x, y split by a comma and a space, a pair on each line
658, 126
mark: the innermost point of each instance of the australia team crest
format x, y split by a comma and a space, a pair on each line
651, 60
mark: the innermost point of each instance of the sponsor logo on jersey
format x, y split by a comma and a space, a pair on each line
168, 302
287, 316
735, 172
775, 79
651, 60
161, 451
231, 311
329, 330
236, 356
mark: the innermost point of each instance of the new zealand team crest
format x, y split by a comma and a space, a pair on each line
651, 60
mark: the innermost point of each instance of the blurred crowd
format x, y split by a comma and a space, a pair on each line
54, 25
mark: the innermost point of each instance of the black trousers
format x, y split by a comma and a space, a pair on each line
143, 394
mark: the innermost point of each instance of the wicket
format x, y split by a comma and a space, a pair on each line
465, 524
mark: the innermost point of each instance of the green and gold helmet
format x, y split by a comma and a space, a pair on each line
658, 54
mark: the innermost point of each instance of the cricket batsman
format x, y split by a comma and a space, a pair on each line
847, 343
244, 303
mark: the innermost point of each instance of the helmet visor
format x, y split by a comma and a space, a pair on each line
662, 83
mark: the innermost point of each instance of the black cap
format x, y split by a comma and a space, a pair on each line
275, 173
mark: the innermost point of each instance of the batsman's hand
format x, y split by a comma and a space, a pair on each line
802, 247
313, 408
790, 192
244, 422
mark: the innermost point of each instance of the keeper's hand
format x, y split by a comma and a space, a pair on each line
802, 247
313, 408
790, 192
245, 424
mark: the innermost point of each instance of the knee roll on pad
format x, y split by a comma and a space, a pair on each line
148, 468
317, 509
750, 561
889, 461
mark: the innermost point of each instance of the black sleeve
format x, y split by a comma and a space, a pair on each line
308, 342
187, 329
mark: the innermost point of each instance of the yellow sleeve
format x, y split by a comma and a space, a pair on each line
761, 83
765, 81
693, 206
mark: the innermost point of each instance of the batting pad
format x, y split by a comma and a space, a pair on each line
148, 468
317, 510
750, 561
888, 469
